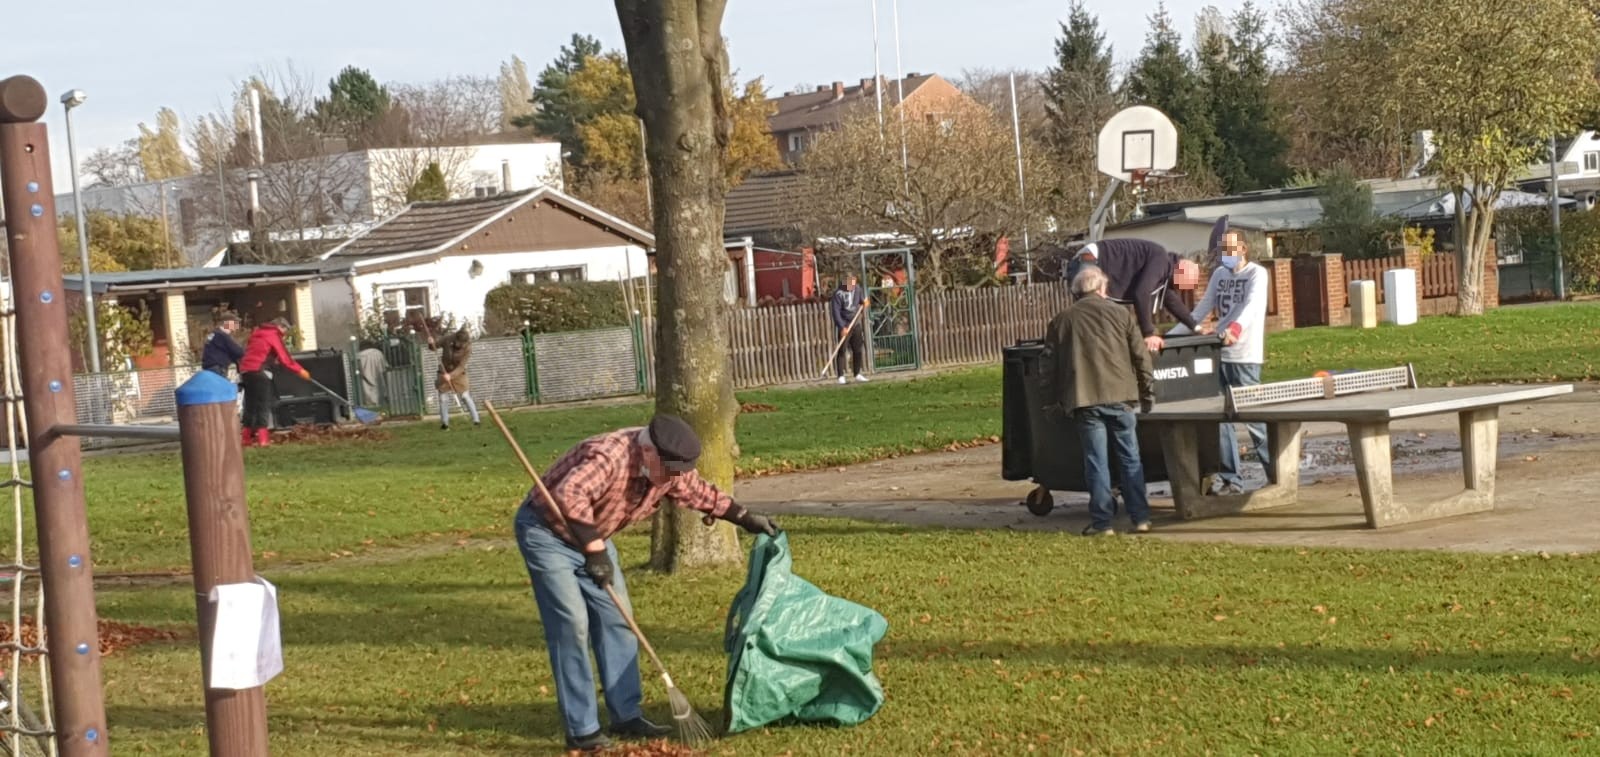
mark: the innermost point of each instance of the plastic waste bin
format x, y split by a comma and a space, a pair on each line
1047, 452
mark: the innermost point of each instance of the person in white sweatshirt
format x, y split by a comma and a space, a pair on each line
1237, 293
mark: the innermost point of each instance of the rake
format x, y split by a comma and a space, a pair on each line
367, 417
692, 729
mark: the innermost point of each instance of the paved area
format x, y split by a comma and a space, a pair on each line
1546, 497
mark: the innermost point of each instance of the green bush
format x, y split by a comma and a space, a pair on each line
551, 308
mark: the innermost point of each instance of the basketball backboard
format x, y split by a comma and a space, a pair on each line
1139, 138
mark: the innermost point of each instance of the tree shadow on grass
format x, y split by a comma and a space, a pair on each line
533, 728
1209, 656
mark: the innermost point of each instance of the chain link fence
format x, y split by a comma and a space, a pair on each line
497, 371
582, 365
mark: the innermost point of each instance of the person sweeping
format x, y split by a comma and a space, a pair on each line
452, 376
601, 486
264, 352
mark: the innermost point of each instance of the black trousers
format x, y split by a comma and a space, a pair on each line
856, 344
260, 400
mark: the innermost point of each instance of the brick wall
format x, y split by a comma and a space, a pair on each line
1491, 276
1281, 310
1335, 308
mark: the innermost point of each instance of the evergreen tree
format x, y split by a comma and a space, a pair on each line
1078, 88
354, 105
557, 112
430, 186
1164, 78
1251, 141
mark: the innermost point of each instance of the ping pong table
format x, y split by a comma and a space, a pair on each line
1366, 402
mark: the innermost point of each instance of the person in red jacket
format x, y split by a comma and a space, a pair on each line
265, 352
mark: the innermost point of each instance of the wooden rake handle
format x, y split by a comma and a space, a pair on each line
539, 484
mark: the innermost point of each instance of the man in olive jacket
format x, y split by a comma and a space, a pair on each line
1095, 367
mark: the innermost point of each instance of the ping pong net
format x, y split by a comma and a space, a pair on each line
1321, 387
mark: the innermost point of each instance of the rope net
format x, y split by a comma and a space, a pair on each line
26, 723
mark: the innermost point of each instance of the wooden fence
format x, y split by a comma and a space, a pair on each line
1439, 276
1371, 269
788, 344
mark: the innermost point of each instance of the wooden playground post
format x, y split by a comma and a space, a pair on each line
219, 541
55, 461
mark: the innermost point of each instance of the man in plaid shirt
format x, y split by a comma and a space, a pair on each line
601, 486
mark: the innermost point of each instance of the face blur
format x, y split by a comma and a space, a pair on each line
229, 326
1187, 276
850, 283
1233, 244
657, 471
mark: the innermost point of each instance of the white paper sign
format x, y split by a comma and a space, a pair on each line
1203, 366
246, 649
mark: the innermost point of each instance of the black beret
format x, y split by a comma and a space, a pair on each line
675, 442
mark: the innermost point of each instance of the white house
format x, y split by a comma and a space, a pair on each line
1577, 169
347, 190
434, 258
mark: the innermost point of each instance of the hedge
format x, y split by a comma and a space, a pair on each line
550, 308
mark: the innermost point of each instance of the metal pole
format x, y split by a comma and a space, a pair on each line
48, 398
166, 232
83, 247
877, 71
1022, 187
1555, 221
900, 104
219, 544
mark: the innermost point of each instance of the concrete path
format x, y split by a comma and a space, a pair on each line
1547, 494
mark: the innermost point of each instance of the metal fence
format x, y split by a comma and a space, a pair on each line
496, 372
581, 365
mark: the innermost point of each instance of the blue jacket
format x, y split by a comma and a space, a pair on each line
844, 305
220, 352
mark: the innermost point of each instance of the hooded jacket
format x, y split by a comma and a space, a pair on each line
266, 349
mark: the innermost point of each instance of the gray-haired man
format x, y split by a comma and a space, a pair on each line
1095, 368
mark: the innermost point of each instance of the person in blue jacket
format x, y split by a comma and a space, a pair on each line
221, 350
846, 304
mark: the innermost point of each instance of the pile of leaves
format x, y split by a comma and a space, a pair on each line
756, 407
114, 636
312, 434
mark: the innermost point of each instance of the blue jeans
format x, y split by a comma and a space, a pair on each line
1242, 374
577, 615
1098, 427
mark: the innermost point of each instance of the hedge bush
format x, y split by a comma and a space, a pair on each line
550, 308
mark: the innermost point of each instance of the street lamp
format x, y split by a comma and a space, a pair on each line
70, 100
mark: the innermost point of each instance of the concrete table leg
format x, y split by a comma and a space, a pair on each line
1180, 447
1480, 440
1375, 472
1284, 440
1369, 445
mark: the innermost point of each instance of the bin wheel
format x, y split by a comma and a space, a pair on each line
1040, 502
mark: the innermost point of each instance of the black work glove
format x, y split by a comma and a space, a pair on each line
756, 523
1145, 406
598, 566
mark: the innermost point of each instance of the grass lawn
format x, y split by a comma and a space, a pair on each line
998, 642
410, 629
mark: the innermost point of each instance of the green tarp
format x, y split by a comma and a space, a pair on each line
794, 652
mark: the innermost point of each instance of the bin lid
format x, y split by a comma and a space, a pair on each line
1196, 340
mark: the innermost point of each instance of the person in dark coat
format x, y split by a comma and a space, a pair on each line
1142, 274
846, 304
264, 352
1095, 368
221, 351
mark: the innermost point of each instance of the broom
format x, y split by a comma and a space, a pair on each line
692, 729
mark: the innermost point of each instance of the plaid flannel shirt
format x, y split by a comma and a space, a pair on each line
601, 487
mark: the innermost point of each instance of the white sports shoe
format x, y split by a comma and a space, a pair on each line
861, 378
843, 380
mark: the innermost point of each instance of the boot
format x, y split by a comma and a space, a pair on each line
247, 437
263, 437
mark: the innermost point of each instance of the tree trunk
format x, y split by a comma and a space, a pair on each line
678, 62
1472, 253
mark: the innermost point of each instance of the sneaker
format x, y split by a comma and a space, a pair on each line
444, 427
1229, 490
1141, 528
594, 742
1092, 531
843, 380
861, 378
639, 728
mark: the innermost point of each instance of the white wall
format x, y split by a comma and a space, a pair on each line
455, 291
1587, 142
334, 312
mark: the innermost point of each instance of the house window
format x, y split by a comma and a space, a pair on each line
548, 275
405, 305
797, 142
1591, 162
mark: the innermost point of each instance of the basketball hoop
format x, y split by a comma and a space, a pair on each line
1137, 146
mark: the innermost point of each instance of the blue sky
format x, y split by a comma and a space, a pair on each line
132, 60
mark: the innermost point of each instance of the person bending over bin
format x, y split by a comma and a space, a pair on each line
265, 352
1142, 274
846, 304
601, 486
1095, 367
221, 351
453, 375
1238, 293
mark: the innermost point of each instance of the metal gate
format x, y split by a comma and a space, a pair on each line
890, 277
400, 390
